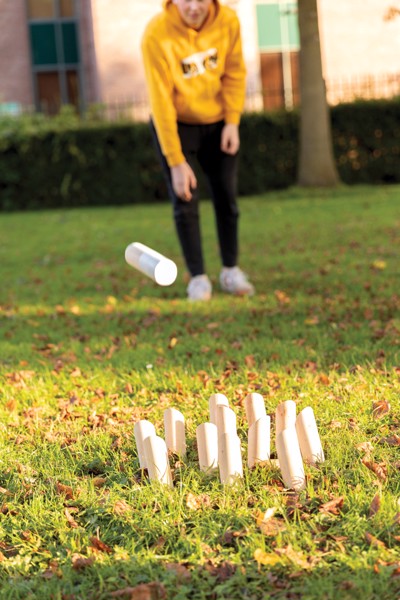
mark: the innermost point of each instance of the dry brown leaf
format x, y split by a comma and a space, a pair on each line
71, 521
332, 506
373, 541
392, 440
99, 545
380, 469
250, 361
98, 482
121, 507
380, 409
365, 447
143, 591
65, 490
172, 342
281, 297
80, 562
269, 525
197, 502
375, 505
222, 571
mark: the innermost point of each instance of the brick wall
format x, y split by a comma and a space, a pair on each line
15, 66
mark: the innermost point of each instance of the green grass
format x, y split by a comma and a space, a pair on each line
86, 351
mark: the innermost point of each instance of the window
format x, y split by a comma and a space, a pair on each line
278, 43
56, 69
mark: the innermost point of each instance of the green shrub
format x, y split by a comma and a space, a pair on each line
64, 161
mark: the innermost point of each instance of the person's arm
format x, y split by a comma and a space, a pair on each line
233, 91
160, 88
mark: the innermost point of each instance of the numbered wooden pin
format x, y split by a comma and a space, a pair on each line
259, 441
230, 458
142, 429
226, 420
308, 436
207, 446
157, 460
285, 416
255, 408
174, 428
214, 401
290, 461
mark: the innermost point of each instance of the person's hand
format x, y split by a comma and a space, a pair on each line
230, 140
183, 181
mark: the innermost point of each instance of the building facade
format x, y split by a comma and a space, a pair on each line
83, 52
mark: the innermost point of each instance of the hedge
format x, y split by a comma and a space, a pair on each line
50, 163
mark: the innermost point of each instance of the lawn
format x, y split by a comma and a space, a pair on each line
89, 346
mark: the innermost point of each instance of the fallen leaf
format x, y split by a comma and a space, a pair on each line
249, 361
378, 265
70, 518
121, 507
264, 558
65, 490
270, 526
172, 343
392, 440
80, 562
332, 506
197, 502
295, 556
281, 297
222, 571
380, 409
230, 536
373, 541
365, 447
380, 469
99, 545
375, 505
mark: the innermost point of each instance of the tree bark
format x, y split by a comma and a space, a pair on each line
316, 162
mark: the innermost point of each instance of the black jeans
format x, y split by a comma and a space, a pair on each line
201, 145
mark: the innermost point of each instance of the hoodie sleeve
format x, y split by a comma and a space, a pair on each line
234, 78
160, 88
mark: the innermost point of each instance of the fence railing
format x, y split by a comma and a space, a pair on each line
338, 91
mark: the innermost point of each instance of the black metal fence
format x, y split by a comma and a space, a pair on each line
136, 108
337, 90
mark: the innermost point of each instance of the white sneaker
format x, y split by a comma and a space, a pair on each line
234, 281
199, 288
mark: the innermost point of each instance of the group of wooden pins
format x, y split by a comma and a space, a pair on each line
219, 447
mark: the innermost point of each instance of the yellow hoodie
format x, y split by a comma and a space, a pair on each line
194, 77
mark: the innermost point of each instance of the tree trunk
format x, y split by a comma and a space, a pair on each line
316, 163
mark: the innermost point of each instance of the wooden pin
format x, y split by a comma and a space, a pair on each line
255, 408
174, 427
308, 436
259, 441
157, 460
214, 401
142, 429
290, 461
285, 416
207, 446
229, 458
226, 420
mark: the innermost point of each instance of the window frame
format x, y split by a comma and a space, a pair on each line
61, 67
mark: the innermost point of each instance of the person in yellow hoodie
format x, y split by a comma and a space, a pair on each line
196, 77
